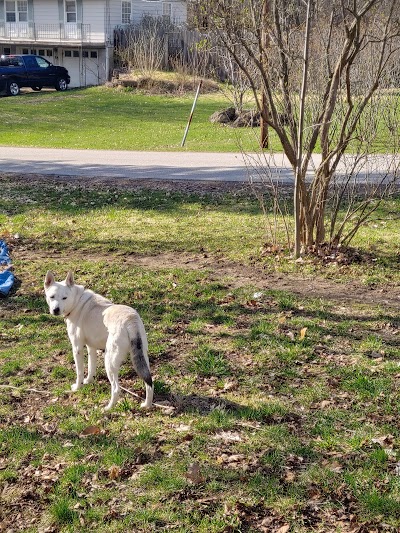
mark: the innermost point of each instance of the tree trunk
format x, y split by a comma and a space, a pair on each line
264, 103
299, 184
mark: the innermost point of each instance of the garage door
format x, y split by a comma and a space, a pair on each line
83, 67
71, 61
91, 71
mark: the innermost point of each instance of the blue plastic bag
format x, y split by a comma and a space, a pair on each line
6, 276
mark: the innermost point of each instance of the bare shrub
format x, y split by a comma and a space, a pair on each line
142, 47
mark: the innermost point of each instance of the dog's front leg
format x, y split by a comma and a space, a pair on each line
77, 351
92, 365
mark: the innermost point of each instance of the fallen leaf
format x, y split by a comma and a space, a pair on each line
182, 427
235, 458
386, 441
290, 476
230, 385
325, 403
228, 436
91, 430
283, 529
303, 332
193, 474
114, 472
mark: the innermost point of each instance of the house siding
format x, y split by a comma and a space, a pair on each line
115, 13
45, 12
94, 13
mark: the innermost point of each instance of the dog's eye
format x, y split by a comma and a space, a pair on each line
64, 298
51, 297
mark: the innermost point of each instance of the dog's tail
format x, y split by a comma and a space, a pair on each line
139, 360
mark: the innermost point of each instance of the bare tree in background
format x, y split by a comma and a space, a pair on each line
236, 85
142, 45
325, 72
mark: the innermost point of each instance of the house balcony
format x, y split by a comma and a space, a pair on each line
30, 32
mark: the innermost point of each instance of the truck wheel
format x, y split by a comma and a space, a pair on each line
61, 84
13, 88
37, 88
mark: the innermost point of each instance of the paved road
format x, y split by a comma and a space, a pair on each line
171, 165
110, 163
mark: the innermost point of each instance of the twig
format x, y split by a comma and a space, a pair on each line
24, 390
160, 405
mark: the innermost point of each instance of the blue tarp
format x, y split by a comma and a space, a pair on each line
6, 276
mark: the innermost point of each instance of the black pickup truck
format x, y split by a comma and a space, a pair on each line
18, 71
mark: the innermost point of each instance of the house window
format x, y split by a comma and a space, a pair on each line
17, 11
166, 9
67, 53
70, 10
11, 12
93, 55
126, 12
75, 53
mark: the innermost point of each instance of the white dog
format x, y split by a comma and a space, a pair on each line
99, 324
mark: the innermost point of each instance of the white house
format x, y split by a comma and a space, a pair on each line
76, 34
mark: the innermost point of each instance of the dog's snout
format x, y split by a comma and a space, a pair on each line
56, 311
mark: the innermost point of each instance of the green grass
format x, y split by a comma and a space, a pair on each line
125, 119
102, 118
264, 424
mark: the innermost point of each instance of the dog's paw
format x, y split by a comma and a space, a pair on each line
75, 387
88, 380
145, 405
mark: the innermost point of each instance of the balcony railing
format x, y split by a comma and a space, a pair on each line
26, 31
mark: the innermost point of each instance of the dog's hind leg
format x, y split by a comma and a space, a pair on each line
113, 359
92, 365
149, 397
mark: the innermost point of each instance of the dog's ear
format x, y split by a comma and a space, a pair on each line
49, 279
69, 280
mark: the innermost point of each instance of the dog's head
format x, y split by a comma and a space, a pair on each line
59, 295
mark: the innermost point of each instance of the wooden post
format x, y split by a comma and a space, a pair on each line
191, 113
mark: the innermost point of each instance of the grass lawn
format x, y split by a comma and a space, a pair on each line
125, 119
279, 405
103, 118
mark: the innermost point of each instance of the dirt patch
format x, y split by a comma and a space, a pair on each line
236, 275
216, 188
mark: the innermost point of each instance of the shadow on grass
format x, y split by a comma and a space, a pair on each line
78, 195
